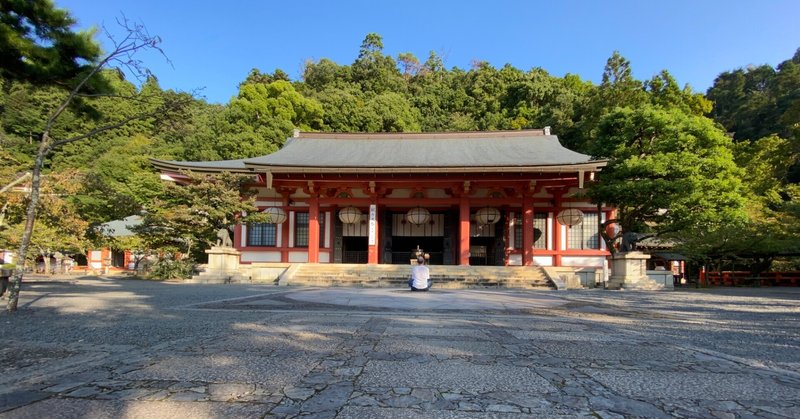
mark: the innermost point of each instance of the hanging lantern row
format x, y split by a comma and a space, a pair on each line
570, 217
418, 215
488, 215
275, 215
350, 215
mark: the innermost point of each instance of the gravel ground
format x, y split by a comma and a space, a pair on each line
109, 347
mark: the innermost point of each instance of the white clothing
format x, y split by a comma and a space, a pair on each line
420, 275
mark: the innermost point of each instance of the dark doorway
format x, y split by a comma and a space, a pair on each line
487, 246
403, 247
354, 250
481, 251
118, 259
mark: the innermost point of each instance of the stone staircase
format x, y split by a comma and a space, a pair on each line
360, 275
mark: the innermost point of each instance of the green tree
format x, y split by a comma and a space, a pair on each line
618, 87
326, 73
48, 138
261, 117
668, 172
186, 216
257, 77
59, 226
664, 92
441, 97
375, 72
344, 109
756, 102
38, 44
391, 112
409, 63
771, 230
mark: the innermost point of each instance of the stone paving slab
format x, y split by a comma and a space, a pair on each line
106, 348
453, 375
570, 336
32, 356
266, 343
539, 325
631, 352
440, 347
112, 409
234, 367
434, 300
688, 385
388, 413
453, 331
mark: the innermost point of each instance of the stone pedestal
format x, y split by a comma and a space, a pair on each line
629, 271
223, 266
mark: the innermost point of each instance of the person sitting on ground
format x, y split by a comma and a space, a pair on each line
420, 276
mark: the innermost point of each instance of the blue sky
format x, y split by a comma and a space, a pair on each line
213, 45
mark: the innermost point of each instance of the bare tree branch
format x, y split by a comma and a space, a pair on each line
123, 55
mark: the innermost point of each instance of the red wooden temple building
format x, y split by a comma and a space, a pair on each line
467, 198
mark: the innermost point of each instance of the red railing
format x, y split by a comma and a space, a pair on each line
745, 278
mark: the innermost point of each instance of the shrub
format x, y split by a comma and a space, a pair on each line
169, 268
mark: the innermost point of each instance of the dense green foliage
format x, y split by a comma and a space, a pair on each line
183, 219
760, 106
38, 45
668, 171
756, 102
673, 170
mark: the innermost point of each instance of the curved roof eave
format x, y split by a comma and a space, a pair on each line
233, 166
594, 165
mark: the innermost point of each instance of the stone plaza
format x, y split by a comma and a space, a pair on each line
95, 347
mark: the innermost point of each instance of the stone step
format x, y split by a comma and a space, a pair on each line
397, 275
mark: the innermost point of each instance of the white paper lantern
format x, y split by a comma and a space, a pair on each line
276, 215
570, 217
488, 215
418, 215
350, 215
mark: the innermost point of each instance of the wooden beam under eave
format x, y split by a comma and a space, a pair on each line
269, 180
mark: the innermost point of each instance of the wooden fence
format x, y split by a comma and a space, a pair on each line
745, 278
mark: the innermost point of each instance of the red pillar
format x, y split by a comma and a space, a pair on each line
372, 234
463, 232
237, 236
527, 231
313, 230
702, 277
557, 235
507, 234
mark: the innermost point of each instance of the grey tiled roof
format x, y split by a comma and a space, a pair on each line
415, 152
121, 228
421, 152
202, 166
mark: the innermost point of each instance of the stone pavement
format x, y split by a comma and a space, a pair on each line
110, 348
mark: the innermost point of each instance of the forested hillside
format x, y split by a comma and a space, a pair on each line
108, 176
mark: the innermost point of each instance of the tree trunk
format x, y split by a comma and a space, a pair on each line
30, 217
46, 263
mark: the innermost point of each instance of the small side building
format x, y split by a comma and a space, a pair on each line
107, 259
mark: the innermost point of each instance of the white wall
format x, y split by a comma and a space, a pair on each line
256, 256
593, 261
